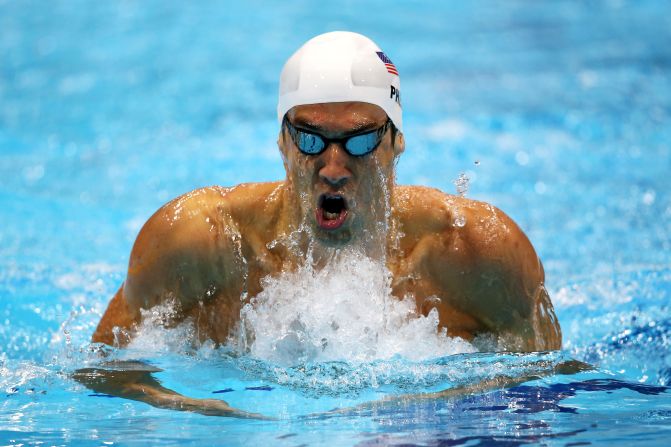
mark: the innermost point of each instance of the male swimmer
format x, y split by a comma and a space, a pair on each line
341, 132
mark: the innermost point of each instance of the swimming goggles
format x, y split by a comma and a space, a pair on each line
359, 145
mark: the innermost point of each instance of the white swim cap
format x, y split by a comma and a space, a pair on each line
337, 67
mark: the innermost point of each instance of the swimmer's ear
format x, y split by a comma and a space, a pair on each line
399, 143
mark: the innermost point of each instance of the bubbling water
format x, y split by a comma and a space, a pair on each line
343, 311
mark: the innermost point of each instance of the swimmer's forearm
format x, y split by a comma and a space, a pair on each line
141, 386
161, 397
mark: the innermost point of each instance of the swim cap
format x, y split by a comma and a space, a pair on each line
337, 67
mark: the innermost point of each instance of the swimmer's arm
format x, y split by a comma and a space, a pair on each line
512, 287
497, 382
134, 381
499, 279
183, 256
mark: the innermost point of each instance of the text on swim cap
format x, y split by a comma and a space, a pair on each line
395, 94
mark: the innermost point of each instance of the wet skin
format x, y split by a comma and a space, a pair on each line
207, 251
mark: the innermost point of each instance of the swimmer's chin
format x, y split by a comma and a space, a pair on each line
339, 237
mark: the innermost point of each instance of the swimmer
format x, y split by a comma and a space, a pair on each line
340, 136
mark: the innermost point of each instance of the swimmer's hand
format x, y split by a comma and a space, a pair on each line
134, 381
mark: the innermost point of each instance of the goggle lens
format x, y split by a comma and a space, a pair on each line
309, 143
363, 144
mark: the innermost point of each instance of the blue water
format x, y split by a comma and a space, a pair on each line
559, 113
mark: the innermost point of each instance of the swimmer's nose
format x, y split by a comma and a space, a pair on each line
335, 172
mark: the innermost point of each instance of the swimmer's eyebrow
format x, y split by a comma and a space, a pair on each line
306, 124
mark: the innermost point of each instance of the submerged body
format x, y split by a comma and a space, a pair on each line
208, 251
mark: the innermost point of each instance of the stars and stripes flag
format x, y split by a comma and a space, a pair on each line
391, 68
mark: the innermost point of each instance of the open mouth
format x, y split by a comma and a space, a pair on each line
332, 211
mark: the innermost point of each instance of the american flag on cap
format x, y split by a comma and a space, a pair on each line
391, 68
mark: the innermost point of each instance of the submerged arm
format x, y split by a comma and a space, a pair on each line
134, 381
501, 381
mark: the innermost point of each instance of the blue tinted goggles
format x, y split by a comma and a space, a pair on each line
357, 145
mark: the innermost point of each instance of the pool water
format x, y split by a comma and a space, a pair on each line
558, 113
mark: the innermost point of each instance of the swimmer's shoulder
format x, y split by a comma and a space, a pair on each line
255, 205
429, 209
479, 257
195, 222
192, 242
204, 210
182, 218
485, 231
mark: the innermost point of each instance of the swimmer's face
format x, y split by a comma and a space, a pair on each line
342, 197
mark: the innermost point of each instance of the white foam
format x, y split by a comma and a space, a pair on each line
344, 311
15, 374
157, 334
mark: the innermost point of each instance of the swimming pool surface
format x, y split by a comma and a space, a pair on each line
559, 113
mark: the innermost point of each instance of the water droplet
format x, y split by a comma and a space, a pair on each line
649, 197
462, 184
460, 221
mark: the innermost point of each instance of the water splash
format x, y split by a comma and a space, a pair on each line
157, 332
396, 375
344, 311
462, 183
